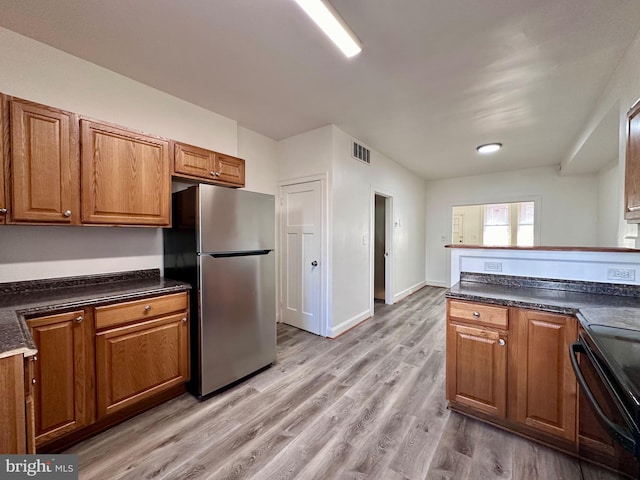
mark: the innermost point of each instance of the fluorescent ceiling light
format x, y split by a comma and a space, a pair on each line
489, 148
328, 19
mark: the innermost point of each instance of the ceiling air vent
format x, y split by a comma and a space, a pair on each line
360, 152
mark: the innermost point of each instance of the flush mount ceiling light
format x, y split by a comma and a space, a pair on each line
328, 19
489, 148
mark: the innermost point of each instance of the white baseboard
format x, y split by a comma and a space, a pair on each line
408, 291
433, 283
347, 324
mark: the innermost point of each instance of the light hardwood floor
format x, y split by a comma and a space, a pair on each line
368, 405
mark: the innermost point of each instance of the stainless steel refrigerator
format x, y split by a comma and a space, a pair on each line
222, 243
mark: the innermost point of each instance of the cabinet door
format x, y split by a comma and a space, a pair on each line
140, 360
126, 178
632, 172
194, 161
12, 406
546, 386
62, 375
477, 369
4, 162
230, 169
44, 164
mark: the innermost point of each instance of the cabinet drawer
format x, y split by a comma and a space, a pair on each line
122, 313
480, 313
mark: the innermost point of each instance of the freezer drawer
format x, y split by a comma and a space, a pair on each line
237, 321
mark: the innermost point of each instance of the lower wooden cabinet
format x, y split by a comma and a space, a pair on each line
477, 369
12, 406
546, 388
512, 366
119, 358
63, 374
140, 360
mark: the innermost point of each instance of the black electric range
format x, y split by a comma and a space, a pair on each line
615, 354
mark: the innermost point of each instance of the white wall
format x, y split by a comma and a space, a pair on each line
566, 209
608, 207
353, 184
306, 154
37, 72
588, 266
261, 161
623, 90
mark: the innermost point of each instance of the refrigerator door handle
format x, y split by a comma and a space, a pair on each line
247, 253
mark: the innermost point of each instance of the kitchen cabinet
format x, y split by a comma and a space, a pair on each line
12, 406
230, 169
200, 164
512, 366
546, 389
632, 170
141, 349
43, 164
477, 357
126, 178
62, 374
4, 162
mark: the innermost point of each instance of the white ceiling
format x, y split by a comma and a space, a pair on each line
435, 79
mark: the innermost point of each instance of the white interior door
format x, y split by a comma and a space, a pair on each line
458, 228
301, 249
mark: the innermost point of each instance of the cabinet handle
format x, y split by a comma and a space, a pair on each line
33, 381
476, 314
501, 342
34, 358
67, 213
79, 319
184, 319
213, 174
3, 211
217, 174
147, 308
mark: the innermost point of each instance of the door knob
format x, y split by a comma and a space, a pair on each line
314, 264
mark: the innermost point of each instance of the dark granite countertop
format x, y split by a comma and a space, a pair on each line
593, 303
22, 300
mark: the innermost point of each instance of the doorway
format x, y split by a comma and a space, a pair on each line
381, 249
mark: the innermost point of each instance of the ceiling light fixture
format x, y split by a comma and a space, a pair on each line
328, 19
489, 148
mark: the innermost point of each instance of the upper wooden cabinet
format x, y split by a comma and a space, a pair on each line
44, 166
126, 178
632, 172
546, 387
205, 165
194, 161
4, 162
230, 169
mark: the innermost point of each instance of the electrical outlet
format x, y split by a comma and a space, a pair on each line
492, 266
621, 274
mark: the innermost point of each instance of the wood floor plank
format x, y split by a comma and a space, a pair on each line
368, 405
